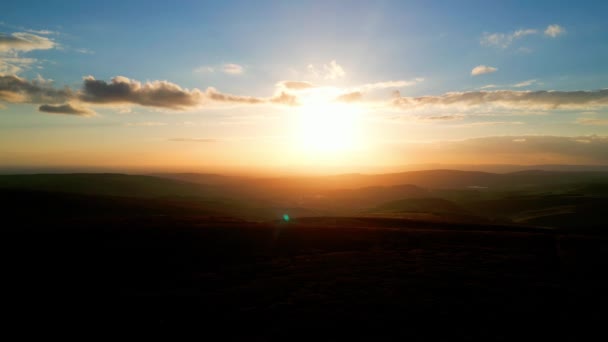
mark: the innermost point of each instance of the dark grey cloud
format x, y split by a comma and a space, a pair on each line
15, 89
120, 89
66, 109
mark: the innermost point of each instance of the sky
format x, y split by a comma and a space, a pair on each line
302, 86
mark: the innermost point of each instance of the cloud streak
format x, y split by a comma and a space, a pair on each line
510, 99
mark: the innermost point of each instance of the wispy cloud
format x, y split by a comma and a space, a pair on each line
491, 123
389, 84
331, 71
23, 41
482, 69
296, 85
233, 69
146, 124
205, 69
13, 45
504, 40
592, 121
350, 97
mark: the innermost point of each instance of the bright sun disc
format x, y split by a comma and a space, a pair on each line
328, 127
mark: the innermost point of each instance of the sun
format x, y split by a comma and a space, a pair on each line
328, 128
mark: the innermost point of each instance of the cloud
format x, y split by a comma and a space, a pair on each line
205, 69
66, 109
554, 31
491, 123
43, 32
15, 89
146, 124
84, 51
282, 98
331, 71
214, 95
233, 69
525, 83
296, 85
510, 99
14, 65
120, 89
504, 40
482, 69
200, 140
13, 45
285, 99
350, 97
592, 121
439, 118
22, 41
389, 84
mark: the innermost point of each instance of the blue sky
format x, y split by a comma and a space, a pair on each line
245, 49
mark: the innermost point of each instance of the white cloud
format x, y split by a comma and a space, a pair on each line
554, 30
233, 69
482, 69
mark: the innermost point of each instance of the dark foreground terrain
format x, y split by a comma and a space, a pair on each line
97, 254
321, 278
